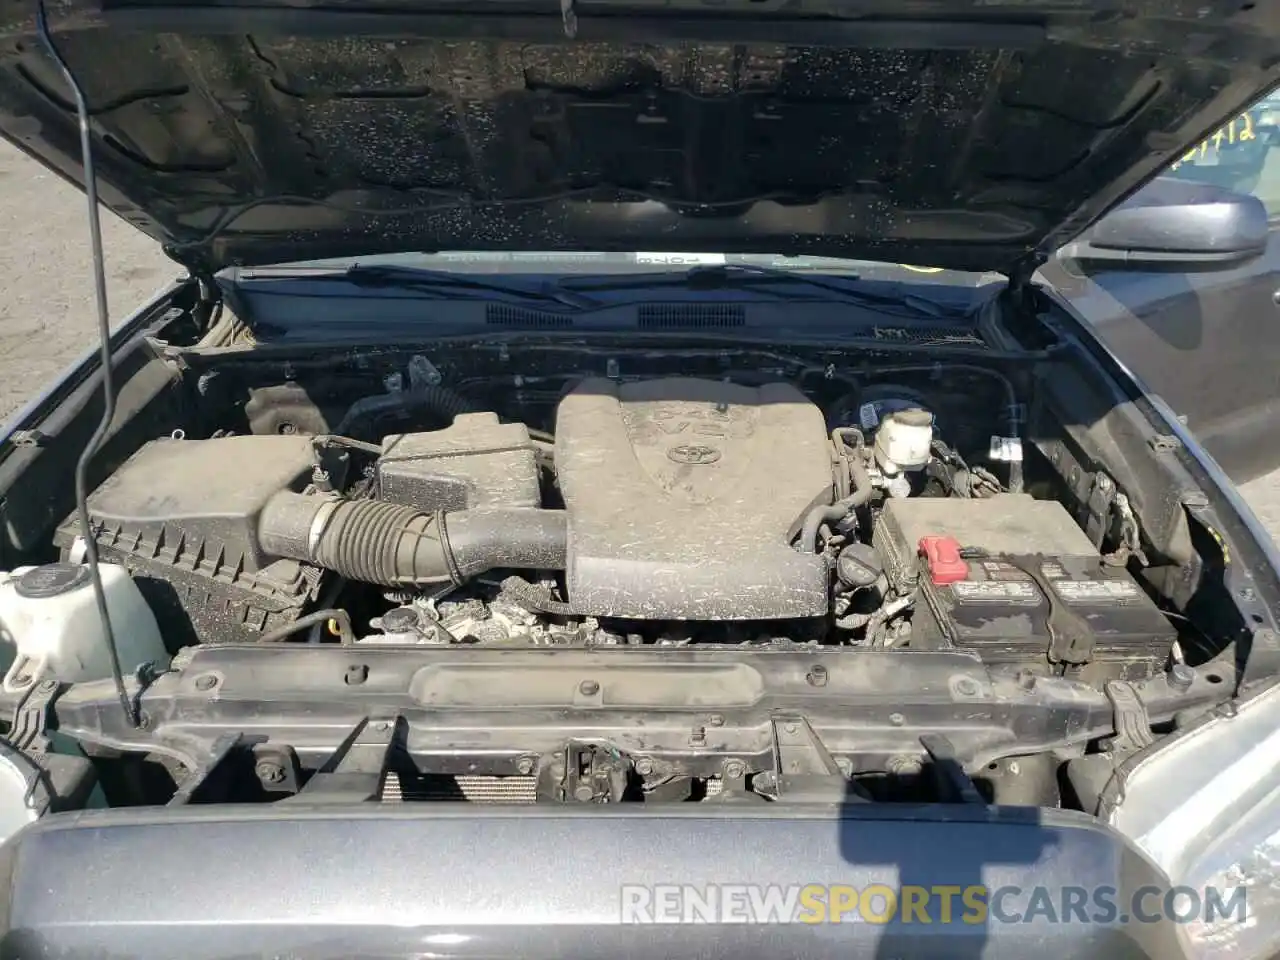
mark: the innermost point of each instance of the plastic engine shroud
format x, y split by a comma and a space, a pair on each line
683, 495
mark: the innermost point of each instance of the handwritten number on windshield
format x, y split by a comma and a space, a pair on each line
1240, 130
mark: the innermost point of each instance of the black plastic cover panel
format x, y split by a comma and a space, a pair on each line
474, 463
683, 496
180, 493
182, 516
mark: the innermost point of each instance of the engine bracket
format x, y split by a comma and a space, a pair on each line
358, 769
803, 767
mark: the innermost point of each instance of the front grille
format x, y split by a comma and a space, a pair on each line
413, 789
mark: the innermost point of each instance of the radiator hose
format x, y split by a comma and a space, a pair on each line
394, 545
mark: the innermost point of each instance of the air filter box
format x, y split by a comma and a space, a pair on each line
181, 516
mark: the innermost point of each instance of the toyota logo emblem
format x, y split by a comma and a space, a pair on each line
693, 453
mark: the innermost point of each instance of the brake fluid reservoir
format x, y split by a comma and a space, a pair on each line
49, 618
904, 440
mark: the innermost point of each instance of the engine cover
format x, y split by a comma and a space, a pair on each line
683, 496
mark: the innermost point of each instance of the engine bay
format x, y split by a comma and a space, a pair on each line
583, 573
678, 511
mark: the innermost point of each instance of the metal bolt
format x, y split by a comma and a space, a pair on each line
382, 726
1014, 768
817, 677
524, 766
967, 687
206, 682
904, 765
583, 793
1026, 680
144, 721
588, 688
792, 728
897, 719
734, 769
1247, 594
21, 680
423, 373
356, 674
49, 686
1181, 676
269, 772
644, 766
715, 720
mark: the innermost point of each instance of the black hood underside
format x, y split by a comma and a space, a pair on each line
955, 133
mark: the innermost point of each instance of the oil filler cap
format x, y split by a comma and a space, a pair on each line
945, 563
51, 580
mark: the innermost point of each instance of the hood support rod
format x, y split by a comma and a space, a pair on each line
108, 383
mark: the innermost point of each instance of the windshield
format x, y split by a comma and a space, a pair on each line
1240, 155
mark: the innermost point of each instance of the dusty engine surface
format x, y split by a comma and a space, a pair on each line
181, 516
683, 496
475, 462
667, 511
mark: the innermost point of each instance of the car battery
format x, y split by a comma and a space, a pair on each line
1016, 580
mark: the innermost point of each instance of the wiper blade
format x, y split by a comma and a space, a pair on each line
428, 281
748, 276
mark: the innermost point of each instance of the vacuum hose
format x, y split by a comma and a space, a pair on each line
395, 546
815, 518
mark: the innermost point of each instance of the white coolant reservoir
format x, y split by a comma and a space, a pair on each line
904, 440
49, 617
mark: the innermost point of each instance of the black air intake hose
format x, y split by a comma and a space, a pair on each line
441, 401
394, 545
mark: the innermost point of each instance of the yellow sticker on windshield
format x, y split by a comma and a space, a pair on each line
1238, 131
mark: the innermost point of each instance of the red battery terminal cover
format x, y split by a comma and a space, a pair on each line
945, 563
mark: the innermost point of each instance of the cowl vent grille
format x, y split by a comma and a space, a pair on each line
957, 336
505, 315
671, 316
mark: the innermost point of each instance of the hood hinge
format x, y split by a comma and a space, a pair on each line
1019, 293
1020, 276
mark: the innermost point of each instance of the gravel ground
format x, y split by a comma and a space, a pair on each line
47, 314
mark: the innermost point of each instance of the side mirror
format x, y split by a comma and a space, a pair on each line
1175, 225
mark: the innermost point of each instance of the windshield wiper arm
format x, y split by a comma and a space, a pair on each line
424, 280
746, 275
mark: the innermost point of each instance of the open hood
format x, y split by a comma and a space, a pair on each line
970, 134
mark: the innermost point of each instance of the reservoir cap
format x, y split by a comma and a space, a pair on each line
52, 580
